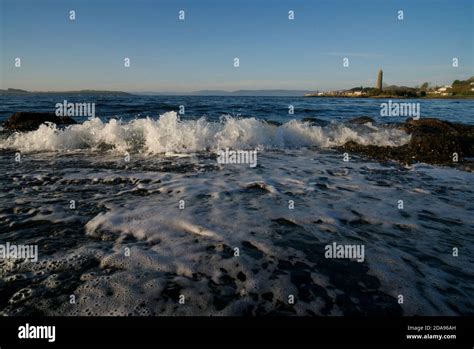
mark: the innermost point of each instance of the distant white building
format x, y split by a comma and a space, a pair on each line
444, 88
443, 91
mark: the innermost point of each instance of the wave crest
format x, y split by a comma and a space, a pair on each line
170, 134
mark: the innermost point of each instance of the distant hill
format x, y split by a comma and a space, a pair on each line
260, 92
277, 93
14, 91
269, 93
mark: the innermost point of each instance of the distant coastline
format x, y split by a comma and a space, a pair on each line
19, 92
207, 93
395, 97
459, 89
236, 93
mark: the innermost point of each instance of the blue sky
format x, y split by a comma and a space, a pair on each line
275, 53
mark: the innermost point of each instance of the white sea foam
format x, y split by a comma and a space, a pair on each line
170, 134
193, 248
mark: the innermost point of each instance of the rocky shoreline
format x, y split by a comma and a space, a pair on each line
432, 141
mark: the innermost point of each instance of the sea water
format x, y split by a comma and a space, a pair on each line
132, 213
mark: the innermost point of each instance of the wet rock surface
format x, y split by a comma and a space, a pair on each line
432, 141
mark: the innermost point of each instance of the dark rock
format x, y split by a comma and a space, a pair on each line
29, 121
428, 124
432, 141
362, 120
435, 141
268, 296
379, 152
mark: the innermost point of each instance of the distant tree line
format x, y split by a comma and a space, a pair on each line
463, 87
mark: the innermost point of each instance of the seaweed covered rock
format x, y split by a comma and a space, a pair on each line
432, 141
435, 141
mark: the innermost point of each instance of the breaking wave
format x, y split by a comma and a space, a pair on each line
170, 134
